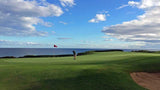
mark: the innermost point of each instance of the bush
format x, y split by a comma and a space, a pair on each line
111, 50
85, 53
145, 51
8, 57
36, 56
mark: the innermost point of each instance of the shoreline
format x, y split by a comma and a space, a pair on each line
81, 53
62, 55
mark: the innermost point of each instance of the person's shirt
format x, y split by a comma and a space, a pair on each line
74, 52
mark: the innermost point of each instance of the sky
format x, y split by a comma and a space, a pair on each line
112, 24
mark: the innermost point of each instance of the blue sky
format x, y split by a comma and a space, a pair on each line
79, 23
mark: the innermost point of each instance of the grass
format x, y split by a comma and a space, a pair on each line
97, 71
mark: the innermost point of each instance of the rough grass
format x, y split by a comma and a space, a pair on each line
97, 71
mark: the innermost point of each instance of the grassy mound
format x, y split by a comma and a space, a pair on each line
96, 71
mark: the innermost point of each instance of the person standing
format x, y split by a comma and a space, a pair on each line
74, 53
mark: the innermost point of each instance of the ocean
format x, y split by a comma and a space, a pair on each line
18, 52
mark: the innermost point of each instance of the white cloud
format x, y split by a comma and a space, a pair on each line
122, 6
125, 45
9, 43
146, 28
143, 4
108, 39
19, 17
133, 3
62, 22
65, 3
108, 45
98, 18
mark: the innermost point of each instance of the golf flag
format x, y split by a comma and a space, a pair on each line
55, 46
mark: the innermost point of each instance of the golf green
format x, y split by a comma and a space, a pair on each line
97, 71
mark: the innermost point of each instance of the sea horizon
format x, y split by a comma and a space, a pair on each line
19, 52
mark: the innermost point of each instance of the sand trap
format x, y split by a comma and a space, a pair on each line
150, 81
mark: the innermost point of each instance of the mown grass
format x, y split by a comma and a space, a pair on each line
97, 71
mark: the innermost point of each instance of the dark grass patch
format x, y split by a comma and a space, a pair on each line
88, 80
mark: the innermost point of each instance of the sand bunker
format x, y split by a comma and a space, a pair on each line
150, 81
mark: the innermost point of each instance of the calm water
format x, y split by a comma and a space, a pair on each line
17, 52
38, 51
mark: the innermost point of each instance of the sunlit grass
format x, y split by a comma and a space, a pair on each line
97, 71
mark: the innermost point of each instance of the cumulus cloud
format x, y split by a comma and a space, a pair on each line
143, 4
19, 17
146, 28
133, 3
98, 18
65, 3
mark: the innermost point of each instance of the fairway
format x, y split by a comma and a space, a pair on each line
97, 71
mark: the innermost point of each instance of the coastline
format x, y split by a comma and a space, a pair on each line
81, 53
63, 55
